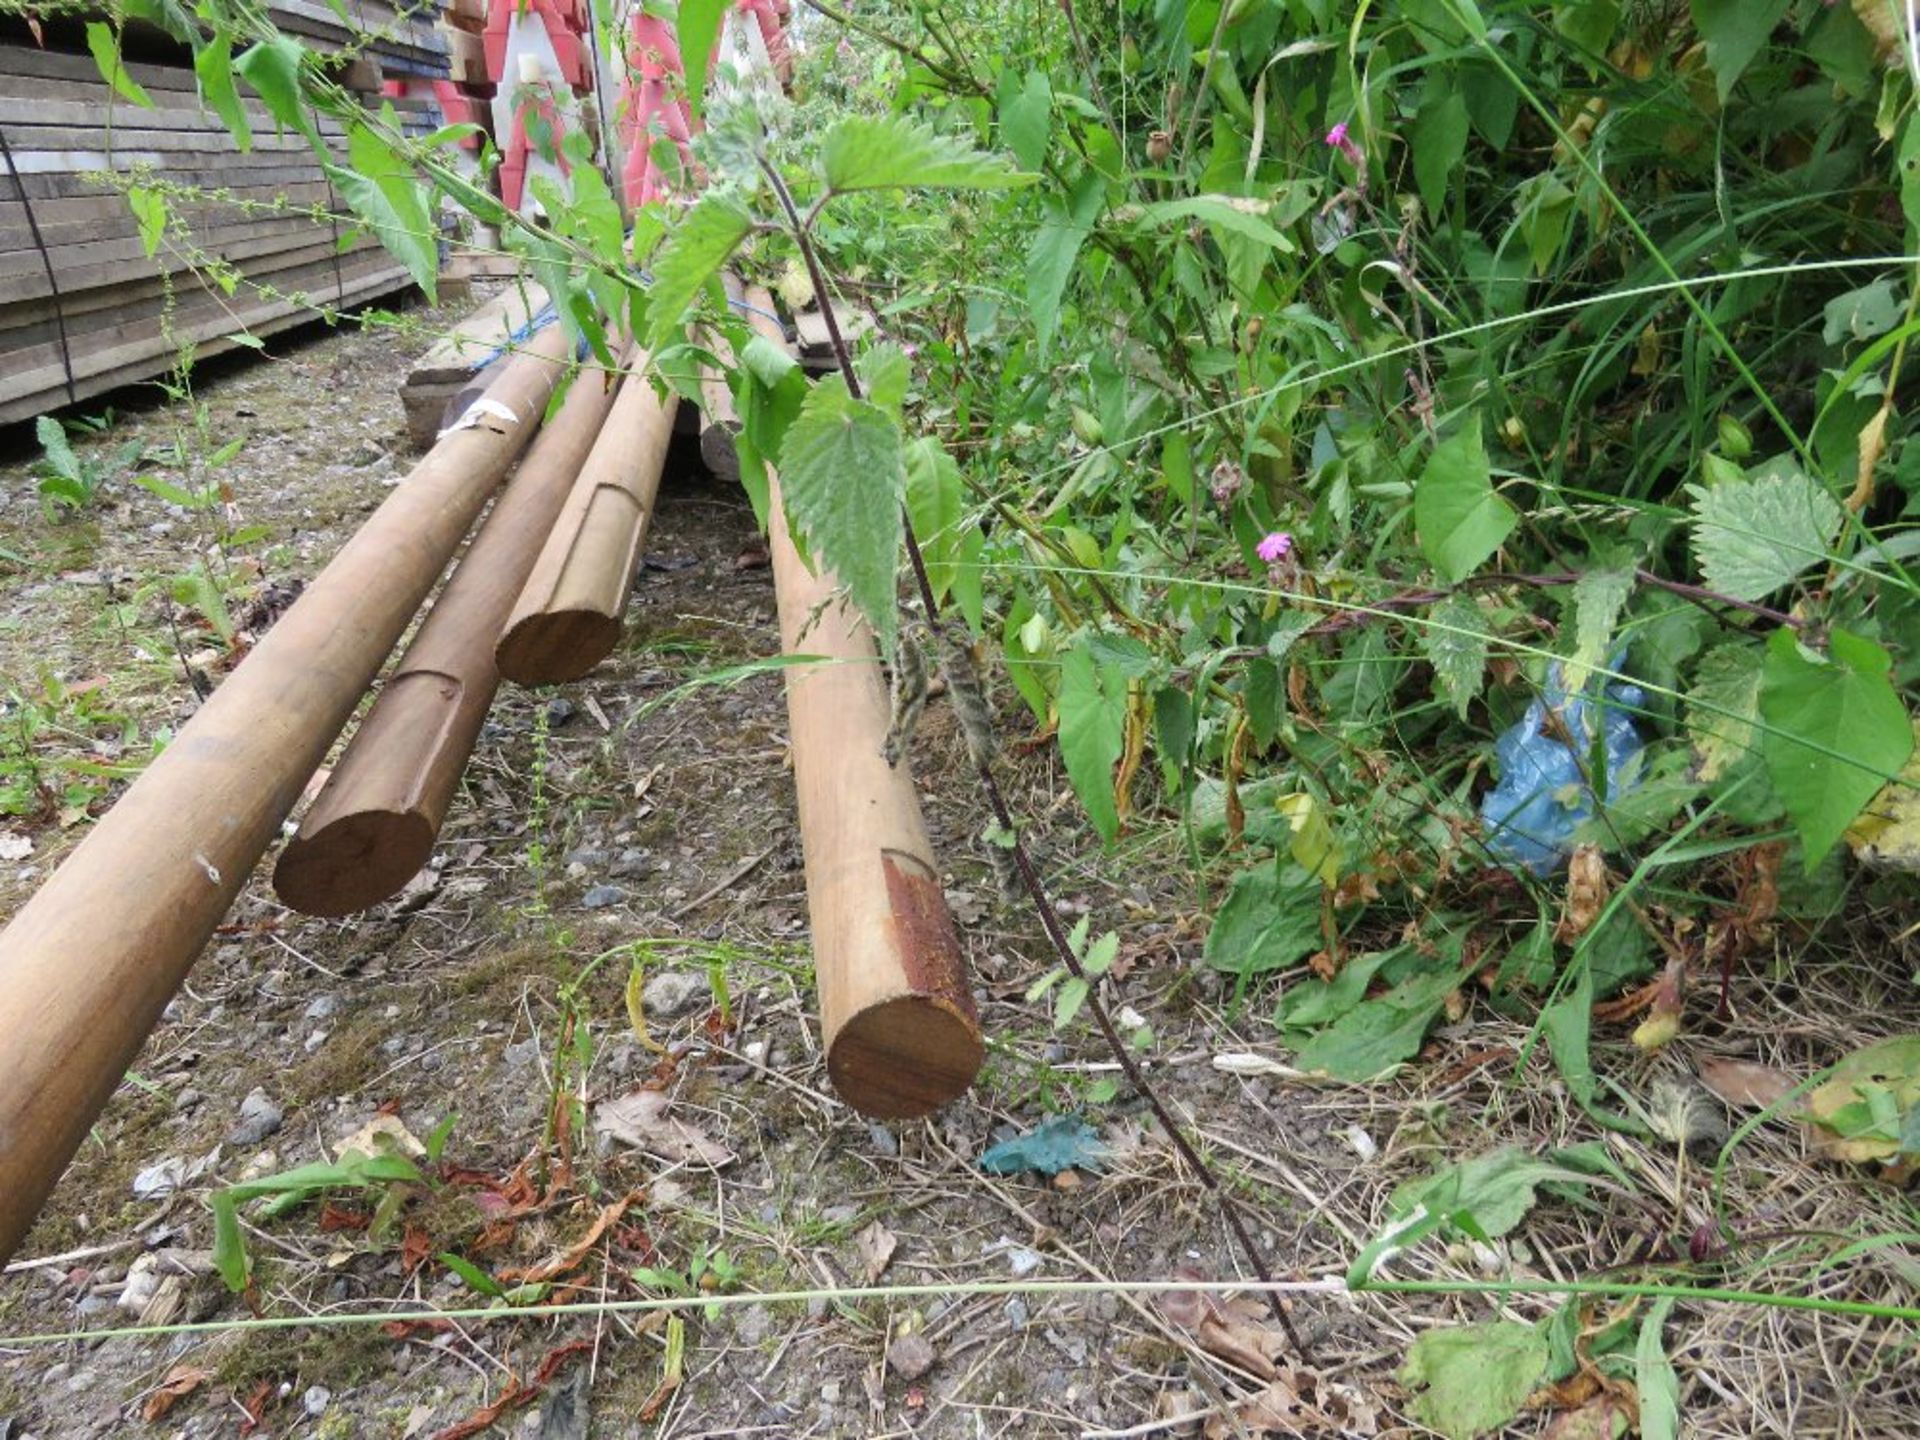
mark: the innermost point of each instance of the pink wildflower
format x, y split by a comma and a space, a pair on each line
1338, 139
1275, 547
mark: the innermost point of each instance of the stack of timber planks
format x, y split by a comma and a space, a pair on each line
403, 37
81, 303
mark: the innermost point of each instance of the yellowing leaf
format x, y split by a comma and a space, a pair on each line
1314, 845
1888, 830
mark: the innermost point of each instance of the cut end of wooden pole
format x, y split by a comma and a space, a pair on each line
353, 862
906, 1057
556, 646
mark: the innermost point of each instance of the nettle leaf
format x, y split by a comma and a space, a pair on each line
213, 68
1750, 537
1461, 518
105, 46
1598, 598
1476, 1377
1836, 731
1723, 708
691, 256
698, 30
1271, 920
1735, 31
1093, 716
843, 472
1454, 640
893, 152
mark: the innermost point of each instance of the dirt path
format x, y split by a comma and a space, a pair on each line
601, 831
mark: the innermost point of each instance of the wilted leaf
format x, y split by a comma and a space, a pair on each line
1888, 830
1586, 893
179, 1382
1863, 1112
1475, 1377
1601, 1419
1744, 1084
875, 1245
640, 1118
1723, 708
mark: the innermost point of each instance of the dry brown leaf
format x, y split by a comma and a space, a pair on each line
875, 1245
640, 1119
1299, 1403
1745, 1085
180, 1382
1586, 894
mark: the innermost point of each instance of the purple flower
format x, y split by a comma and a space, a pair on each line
1274, 547
1338, 139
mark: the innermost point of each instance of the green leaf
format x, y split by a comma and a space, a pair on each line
1485, 1196
1461, 519
475, 1279
1735, 32
1232, 213
1092, 703
1439, 141
1836, 732
58, 450
1271, 920
698, 30
1750, 537
934, 507
893, 152
1056, 244
213, 67
691, 256
1598, 598
105, 45
844, 475
1454, 640
1910, 171
1862, 314
1653, 1377
884, 375
404, 235
1476, 1377
1026, 117
272, 68
1568, 1026
1723, 708
1378, 1034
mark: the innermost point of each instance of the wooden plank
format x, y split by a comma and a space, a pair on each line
468, 346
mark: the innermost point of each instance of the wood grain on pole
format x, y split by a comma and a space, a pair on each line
89, 963
719, 421
903, 1035
375, 823
567, 619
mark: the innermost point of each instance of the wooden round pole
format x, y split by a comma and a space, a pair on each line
91, 960
567, 619
902, 1032
375, 823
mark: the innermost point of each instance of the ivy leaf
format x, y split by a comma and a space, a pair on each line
1735, 31
272, 68
1093, 714
1723, 708
698, 31
893, 152
1025, 119
1454, 640
691, 256
1598, 598
213, 68
1461, 519
1476, 1377
1752, 536
1836, 732
1055, 246
105, 46
1271, 919
843, 474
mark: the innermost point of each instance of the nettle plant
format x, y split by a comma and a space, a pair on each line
1318, 395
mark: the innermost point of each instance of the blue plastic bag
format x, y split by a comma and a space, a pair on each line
1543, 796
